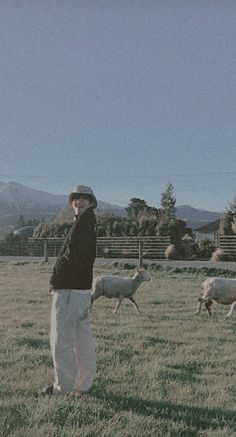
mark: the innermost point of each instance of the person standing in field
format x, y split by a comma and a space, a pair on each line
71, 339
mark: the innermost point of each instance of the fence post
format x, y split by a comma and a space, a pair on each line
45, 251
140, 254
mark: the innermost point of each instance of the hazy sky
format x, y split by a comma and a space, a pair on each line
122, 95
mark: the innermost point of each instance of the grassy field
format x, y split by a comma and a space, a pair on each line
165, 372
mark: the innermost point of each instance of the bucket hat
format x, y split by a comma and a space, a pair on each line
83, 189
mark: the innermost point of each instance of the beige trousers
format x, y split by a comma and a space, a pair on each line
71, 341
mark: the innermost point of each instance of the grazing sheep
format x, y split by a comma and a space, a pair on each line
218, 290
120, 288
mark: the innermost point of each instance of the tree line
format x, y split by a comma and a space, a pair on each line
228, 219
140, 220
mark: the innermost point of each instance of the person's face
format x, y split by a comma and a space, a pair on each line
80, 201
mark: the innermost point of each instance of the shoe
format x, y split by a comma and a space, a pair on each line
46, 391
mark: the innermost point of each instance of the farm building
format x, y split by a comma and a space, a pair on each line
208, 231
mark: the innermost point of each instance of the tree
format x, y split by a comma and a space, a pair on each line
118, 228
136, 207
232, 207
228, 219
233, 225
147, 225
168, 204
154, 212
64, 216
51, 230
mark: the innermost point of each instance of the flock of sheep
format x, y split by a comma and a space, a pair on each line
215, 290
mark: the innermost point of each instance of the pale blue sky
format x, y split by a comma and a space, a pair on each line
122, 95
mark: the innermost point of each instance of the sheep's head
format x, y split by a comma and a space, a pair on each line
144, 274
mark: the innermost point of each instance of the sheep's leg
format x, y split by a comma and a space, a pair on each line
117, 304
208, 304
232, 309
199, 305
131, 298
93, 298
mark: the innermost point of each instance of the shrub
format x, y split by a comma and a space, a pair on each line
205, 248
218, 255
171, 252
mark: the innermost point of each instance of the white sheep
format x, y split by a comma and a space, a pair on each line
218, 290
120, 288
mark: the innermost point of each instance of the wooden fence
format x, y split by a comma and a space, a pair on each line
130, 247
228, 244
107, 247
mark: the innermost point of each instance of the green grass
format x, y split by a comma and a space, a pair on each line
165, 372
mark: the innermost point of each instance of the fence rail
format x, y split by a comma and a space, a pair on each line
228, 244
107, 247
152, 247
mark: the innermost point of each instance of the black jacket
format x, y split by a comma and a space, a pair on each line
74, 265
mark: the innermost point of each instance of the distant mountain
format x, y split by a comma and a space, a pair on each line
17, 199
196, 217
